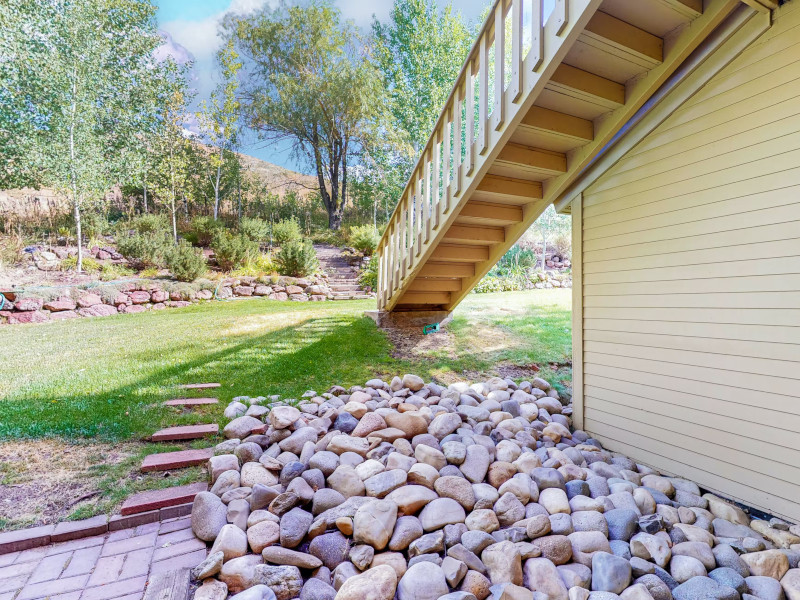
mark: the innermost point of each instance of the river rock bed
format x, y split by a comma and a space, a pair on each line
415, 491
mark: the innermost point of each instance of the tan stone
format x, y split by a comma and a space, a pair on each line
768, 563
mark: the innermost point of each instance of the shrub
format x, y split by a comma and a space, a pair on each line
231, 250
286, 231
257, 265
144, 250
364, 238
255, 229
89, 265
368, 277
185, 262
149, 272
296, 259
149, 224
93, 224
202, 230
110, 272
328, 236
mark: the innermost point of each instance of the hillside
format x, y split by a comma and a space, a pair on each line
46, 205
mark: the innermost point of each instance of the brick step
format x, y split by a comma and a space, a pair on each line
190, 401
155, 499
185, 432
166, 461
200, 386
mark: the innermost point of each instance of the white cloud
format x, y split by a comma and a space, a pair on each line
200, 37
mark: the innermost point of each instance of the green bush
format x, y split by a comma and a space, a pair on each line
144, 250
232, 251
185, 262
110, 272
202, 231
286, 231
89, 264
328, 236
149, 224
368, 277
93, 224
296, 259
364, 238
255, 229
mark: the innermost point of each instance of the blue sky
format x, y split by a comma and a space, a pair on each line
192, 27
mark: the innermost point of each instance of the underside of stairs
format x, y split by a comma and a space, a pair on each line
538, 98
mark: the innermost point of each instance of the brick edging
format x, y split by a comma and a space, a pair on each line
34, 537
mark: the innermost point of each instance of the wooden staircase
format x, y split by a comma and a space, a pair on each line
537, 99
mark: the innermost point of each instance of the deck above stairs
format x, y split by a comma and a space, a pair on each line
537, 99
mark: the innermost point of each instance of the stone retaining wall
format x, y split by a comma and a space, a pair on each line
55, 304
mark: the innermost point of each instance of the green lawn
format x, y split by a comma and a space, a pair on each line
105, 378
77, 398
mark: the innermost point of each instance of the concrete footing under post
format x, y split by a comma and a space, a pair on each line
394, 320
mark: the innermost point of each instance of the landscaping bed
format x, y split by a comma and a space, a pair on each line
408, 490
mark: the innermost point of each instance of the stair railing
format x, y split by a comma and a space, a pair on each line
501, 68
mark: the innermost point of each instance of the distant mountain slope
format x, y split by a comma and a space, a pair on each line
277, 179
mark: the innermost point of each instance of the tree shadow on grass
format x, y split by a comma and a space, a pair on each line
313, 354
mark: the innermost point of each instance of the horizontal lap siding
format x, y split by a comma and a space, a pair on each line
691, 285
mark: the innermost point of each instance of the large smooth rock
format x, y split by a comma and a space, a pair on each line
374, 522
540, 575
503, 563
209, 516
441, 512
704, 588
378, 583
231, 541
422, 581
285, 581
610, 573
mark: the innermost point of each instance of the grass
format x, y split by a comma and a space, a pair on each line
106, 378
92, 389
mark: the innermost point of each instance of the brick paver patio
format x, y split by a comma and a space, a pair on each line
114, 566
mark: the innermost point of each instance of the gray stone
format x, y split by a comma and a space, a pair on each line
764, 588
422, 581
285, 581
330, 548
704, 588
294, 526
610, 573
209, 516
257, 592
209, 567
622, 524
726, 556
729, 577
314, 589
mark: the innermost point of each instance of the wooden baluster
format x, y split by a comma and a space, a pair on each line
412, 223
483, 96
381, 278
392, 258
498, 114
470, 140
436, 204
420, 212
427, 197
561, 15
515, 86
457, 141
447, 162
404, 235
537, 35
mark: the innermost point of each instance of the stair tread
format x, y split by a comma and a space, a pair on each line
154, 499
165, 461
185, 432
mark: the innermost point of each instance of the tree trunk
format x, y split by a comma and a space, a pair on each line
335, 219
216, 183
73, 173
145, 192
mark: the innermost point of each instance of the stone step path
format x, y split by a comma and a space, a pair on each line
185, 432
191, 401
342, 276
156, 499
167, 461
